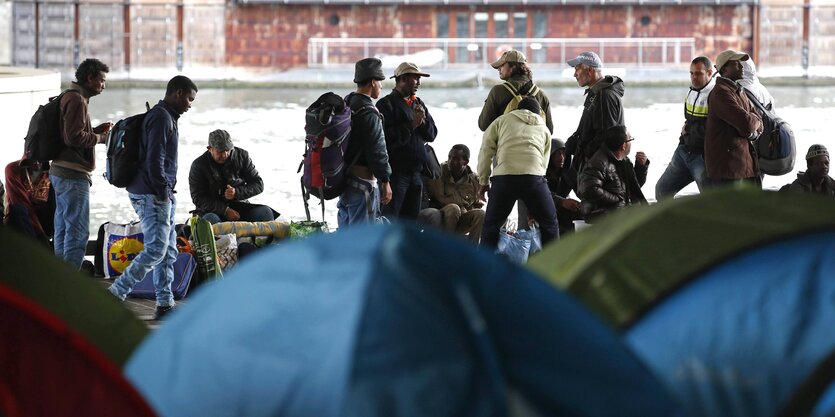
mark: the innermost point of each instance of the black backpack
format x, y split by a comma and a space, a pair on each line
124, 149
43, 141
776, 146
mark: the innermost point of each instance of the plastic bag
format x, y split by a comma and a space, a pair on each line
227, 250
533, 235
512, 247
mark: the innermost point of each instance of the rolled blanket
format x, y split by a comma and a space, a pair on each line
277, 229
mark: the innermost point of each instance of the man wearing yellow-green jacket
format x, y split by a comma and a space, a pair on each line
688, 161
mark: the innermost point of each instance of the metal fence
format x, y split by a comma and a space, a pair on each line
476, 52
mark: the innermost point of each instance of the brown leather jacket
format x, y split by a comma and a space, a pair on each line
79, 153
731, 121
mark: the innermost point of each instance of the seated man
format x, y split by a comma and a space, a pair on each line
31, 200
609, 181
816, 179
222, 179
453, 197
568, 209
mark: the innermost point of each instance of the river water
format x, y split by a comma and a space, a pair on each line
269, 123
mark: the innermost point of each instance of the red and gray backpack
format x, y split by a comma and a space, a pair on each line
328, 133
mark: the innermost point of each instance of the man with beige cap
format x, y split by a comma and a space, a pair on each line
517, 76
732, 124
408, 126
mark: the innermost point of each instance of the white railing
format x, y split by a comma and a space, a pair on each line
476, 52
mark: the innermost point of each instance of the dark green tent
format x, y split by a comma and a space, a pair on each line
624, 264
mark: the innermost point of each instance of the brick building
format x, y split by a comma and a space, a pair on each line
279, 34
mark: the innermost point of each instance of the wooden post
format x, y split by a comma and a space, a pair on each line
126, 34
180, 35
76, 35
755, 36
807, 8
37, 33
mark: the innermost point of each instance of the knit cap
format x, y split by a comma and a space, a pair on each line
816, 150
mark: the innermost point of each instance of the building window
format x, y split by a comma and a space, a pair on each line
442, 25
500, 23
462, 31
520, 25
334, 20
540, 30
480, 32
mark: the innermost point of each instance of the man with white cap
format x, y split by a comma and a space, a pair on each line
408, 126
602, 109
732, 124
816, 179
518, 80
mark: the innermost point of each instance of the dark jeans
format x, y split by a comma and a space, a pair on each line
530, 189
406, 191
565, 218
20, 220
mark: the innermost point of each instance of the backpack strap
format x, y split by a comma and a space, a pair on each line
510, 88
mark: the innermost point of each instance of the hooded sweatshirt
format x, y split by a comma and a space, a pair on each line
521, 143
751, 82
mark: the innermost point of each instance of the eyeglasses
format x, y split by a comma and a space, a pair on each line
629, 140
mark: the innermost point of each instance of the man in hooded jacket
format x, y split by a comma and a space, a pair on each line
602, 109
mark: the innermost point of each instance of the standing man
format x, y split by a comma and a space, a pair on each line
361, 199
731, 126
521, 144
688, 162
408, 126
70, 171
453, 197
602, 109
609, 181
517, 76
152, 196
816, 179
222, 179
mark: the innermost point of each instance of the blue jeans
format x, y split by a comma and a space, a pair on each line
684, 168
159, 252
406, 192
359, 203
72, 219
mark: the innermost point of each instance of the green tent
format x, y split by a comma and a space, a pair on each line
631, 259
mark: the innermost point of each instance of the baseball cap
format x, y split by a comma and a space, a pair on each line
587, 58
510, 55
730, 55
408, 68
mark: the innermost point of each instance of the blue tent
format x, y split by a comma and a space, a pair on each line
388, 321
729, 297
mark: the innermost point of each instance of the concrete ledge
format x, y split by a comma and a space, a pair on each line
22, 90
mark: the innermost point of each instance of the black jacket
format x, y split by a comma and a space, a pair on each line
207, 181
404, 144
602, 109
607, 184
368, 143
